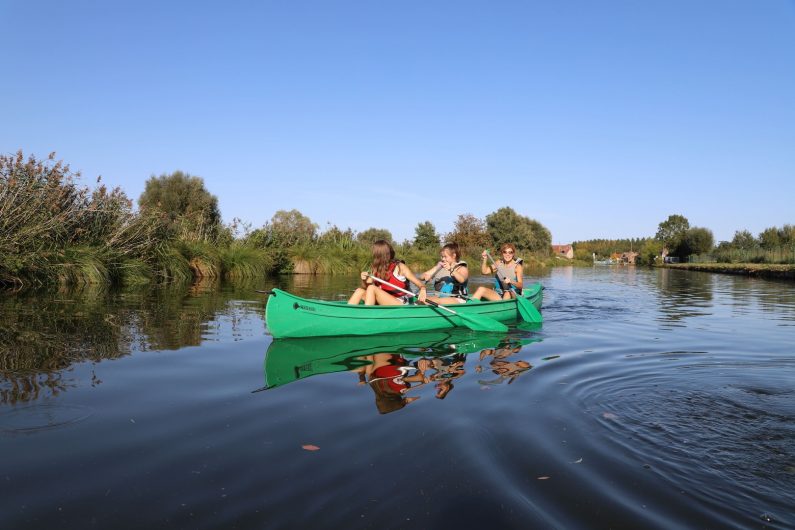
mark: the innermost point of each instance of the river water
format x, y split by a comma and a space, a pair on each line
648, 399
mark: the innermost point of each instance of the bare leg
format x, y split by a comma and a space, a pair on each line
446, 300
357, 296
380, 297
488, 294
369, 296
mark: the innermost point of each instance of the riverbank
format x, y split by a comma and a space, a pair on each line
760, 270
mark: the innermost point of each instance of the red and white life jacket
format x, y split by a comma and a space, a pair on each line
399, 281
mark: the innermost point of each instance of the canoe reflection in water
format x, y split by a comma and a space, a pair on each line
394, 366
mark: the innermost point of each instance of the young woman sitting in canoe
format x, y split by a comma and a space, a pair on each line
393, 271
509, 271
450, 276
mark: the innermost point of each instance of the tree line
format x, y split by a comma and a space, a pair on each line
676, 238
55, 230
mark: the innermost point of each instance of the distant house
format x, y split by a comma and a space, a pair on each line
629, 257
563, 251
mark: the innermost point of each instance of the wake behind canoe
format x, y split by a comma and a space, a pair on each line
290, 316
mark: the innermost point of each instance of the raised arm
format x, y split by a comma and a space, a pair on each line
405, 271
427, 275
485, 266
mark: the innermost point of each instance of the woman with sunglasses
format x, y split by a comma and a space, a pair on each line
509, 271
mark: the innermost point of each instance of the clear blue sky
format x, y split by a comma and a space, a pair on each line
598, 119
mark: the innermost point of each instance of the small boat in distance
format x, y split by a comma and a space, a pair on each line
607, 261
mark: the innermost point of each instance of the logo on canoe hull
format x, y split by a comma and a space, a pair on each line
296, 305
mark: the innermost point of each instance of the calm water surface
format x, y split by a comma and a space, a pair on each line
648, 399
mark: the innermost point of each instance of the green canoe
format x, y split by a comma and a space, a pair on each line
290, 360
290, 316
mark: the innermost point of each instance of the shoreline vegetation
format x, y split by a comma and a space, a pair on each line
55, 231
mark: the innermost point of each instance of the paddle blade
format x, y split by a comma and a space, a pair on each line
527, 310
481, 323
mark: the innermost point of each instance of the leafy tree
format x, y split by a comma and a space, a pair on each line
371, 235
286, 229
425, 236
189, 210
470, 234
335, 236
671, 232
774, 237
697, 241
507, 226
289, 228
787, 235
649, 251
606, 247
769, 238
744, 240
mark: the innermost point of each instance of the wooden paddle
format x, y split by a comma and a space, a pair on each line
473, 322
527, 310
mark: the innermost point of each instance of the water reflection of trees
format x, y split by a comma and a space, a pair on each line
43, 334
683, 294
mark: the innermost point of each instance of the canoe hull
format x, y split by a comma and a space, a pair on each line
290, 316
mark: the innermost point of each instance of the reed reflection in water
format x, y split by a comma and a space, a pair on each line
42, 336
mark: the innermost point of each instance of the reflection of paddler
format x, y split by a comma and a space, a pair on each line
390, 376
506, 369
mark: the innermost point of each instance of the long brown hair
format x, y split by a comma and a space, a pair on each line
383, 256
454, 249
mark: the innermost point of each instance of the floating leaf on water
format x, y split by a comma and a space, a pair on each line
609, 416
577, 461
483, 387
310, 447
543, 478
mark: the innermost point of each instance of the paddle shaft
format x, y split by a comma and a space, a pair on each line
527, 311
497, 275
431, 302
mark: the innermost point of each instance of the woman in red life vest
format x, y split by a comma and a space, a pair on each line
387, 268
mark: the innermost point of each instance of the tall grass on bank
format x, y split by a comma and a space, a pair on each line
56, 232
240, 262
777, 256
53, 230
